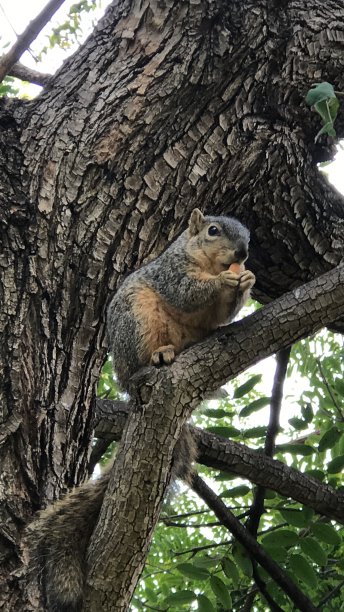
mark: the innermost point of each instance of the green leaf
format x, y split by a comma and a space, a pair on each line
313, 550
297, 518
270, 494
323, 98
296, 449
336, 465
247, 386
255, 432
329, 439
206, 561
339, 386
307, 413
303, 570
242, 559
231, 571
225, 432
221, 591
318, 93
326, 533
317, 474
254, 406
238, 491
221, 476
297, 423
281, 537
278, 553
204, 604
192, 571
180, 597
216, 413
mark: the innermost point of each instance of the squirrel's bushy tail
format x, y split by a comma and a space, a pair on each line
57, 542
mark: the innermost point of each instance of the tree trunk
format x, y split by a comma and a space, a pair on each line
167, 106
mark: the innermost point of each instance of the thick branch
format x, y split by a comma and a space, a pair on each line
229, 456
238, 459
243, 536
28, 74
232, 349
25, 39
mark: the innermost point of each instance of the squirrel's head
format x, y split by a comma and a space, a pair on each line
217, 241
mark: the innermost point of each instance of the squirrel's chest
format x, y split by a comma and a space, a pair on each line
161, 323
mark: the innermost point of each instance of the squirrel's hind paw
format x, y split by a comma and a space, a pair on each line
163, 355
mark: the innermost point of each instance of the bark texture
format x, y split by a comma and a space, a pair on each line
166, 106
229, 456
162, 401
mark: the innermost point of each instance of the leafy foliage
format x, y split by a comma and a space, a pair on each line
8, 86
70, 31
194, 562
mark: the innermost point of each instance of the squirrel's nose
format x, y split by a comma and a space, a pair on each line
241, 253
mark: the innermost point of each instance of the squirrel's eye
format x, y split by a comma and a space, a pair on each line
213, 230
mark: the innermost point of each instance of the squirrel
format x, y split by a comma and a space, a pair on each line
160, 309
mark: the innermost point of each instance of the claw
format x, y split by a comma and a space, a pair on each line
163, 355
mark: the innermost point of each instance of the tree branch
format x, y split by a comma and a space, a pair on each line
238, 459
232, 349
162, 402
251, 545
25, 39
257, 508
24, 73
228, 456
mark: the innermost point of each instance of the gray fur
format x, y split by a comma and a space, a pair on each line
167, 275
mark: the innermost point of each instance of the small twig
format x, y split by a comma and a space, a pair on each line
28, 74
193, 525
303, 439
255, 550
7, 19
249, 601
156, 609
261, 584
172, 517
282, 359
274, 527
25, 39
198, 549
328, 387
257, 509
331, 594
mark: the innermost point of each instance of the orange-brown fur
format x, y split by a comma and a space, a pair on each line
161, 324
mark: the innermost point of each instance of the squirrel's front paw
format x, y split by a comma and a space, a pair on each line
247, 280
229, 279
163, 355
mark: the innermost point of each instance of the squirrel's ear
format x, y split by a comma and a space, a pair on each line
196, 222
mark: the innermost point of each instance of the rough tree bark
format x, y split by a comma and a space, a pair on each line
162, 401
167, 106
